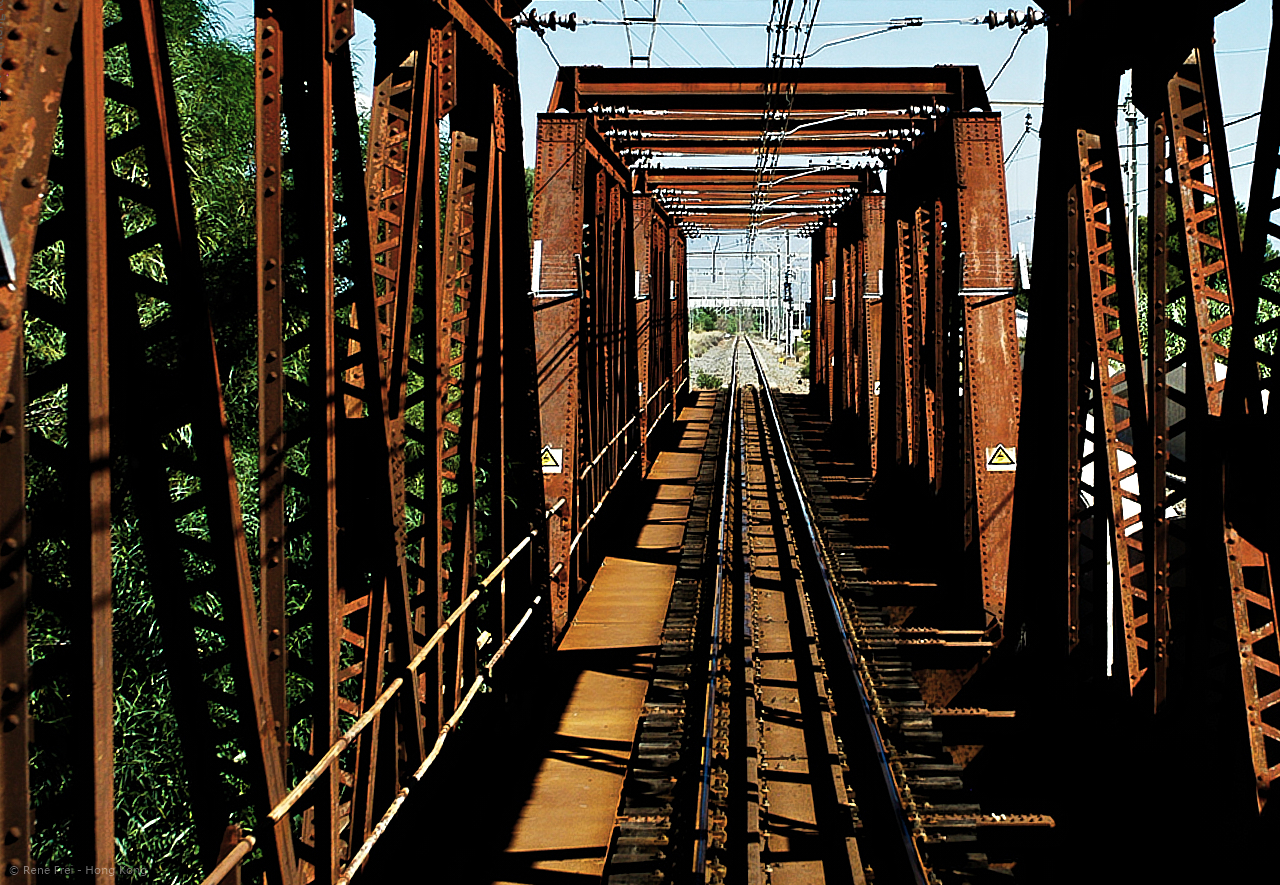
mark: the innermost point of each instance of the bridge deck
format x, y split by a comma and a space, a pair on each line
604, 665
549, 796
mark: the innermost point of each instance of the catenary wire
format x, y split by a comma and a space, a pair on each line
1016, 43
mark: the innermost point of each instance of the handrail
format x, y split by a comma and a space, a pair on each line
285, 805
592, 515
234, 856
657, 421
655, 394
403, 793
607, 447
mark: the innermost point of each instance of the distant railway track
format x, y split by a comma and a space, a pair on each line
821, 762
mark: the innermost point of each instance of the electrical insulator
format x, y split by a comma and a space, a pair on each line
1014, 19
540, 24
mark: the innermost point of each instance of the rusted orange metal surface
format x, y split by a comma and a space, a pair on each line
385, 426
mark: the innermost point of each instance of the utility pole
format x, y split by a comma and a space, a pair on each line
1131, 115
778, 313
786, 286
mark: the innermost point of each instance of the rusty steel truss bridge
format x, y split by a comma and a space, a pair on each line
454, 404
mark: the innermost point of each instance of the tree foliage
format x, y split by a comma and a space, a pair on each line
213, 81
1176, 271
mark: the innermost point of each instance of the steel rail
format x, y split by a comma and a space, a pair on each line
911, 849
702, 834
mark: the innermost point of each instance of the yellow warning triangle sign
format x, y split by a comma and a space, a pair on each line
552, 460
1000, 457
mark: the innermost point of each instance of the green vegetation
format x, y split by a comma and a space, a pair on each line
154, 819
705, 319
702, 319
708, 381
1175, 276
802, 348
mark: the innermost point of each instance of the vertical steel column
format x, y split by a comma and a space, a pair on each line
935, 377
1045, 623
212, 446
897, 359
662, 383
1155, 518
1217, 558
919, 434
371, 488
585, 331
37, 50
268, 160
459, 318
596, 400
648, 327
496, 221
423, 397
873, 221
678, 270
827, 305
15, 724
558, 216
89, 426
310, 111
817, 359
846, 308
1206, 216
992, 377
36, 53
1119, 402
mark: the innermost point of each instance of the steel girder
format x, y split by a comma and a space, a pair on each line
886, 356
386, 418
1250, 523
610, 320
1159, 609
658, 119
658, 344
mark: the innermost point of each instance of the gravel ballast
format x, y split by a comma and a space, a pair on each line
718, 360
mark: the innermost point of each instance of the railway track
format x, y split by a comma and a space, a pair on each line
821, 762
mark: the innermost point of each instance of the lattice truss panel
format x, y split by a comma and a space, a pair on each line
170, 481
1113, 404
1252, 534
377, 499
1158, 421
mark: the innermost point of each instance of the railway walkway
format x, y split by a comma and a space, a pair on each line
548, 779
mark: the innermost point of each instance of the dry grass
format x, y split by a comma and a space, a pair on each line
701, 342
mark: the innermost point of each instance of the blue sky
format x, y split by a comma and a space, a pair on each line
1242, 36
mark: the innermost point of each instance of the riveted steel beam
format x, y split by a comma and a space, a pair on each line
339, 399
